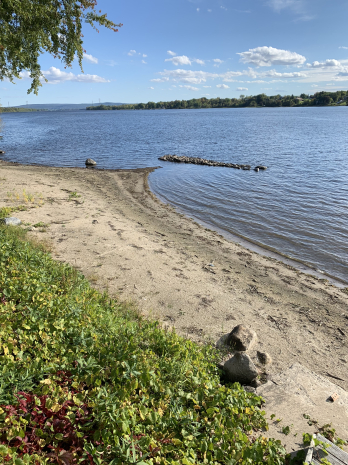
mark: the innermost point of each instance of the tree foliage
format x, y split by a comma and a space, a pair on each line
262, 100
29, 28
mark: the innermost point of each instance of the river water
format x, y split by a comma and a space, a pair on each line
298, 206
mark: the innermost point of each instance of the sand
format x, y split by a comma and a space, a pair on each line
122, 238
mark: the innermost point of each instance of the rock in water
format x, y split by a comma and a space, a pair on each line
240, 368
241, 338
1, 152
261, 167
11, 221
90, 162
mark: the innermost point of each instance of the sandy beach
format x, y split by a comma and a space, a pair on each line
122, 238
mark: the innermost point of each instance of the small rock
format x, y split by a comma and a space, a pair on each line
240, 368
94, 221
261, 167
1, 152
249, 389
264, 358
256, 169
242, 338
90, 162
11, 221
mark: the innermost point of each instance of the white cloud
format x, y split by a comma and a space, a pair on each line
144, 55
268, 56
344, 48
228, 77
199, 62
296, 6
90, 58
218, 61
56, 76
144, 62
152, 88
343, 73
187, 76
222, 86
273, 73
325, 64
198, 9
131, 53
279, 5
314, 85
172, 54
242, 88
181, 60
223, 8
209, 11
190, 88
164, 79
207, 87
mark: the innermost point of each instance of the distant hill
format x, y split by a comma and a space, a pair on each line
63, 106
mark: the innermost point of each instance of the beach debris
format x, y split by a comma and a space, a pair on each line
242, 338
90, 162
240, 368
11, 221
203, 161
334, 397
264, 358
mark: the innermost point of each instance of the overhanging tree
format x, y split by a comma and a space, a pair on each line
29, 28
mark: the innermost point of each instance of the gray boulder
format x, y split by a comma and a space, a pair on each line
242, 338
90, 162
240, 368
11, 221
261, 167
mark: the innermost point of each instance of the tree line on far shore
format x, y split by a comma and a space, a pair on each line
244, 101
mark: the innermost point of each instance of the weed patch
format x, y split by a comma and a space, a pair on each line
84, 379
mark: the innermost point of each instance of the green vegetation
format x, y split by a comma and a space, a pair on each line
17, 110
29, 28
261, 100
6, 211
85, 380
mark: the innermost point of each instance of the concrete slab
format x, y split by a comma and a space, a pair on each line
297, 392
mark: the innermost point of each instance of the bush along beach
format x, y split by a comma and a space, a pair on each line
85, 380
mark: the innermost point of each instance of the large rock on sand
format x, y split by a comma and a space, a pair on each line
90, 162
11, 221
240, 368
241, 338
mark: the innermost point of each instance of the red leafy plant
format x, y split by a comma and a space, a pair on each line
39, 426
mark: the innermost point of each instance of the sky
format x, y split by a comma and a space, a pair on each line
183, 49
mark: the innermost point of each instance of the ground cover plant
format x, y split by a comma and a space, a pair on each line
84, 380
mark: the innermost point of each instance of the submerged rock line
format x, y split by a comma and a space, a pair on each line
203, 161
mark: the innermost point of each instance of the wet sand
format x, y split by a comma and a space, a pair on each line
125, 240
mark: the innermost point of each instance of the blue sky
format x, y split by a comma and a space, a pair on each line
185, 49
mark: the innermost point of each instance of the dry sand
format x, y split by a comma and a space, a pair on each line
125, 240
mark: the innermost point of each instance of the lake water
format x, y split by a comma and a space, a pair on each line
298, 206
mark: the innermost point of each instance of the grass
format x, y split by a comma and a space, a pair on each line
85, 380
7, 211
